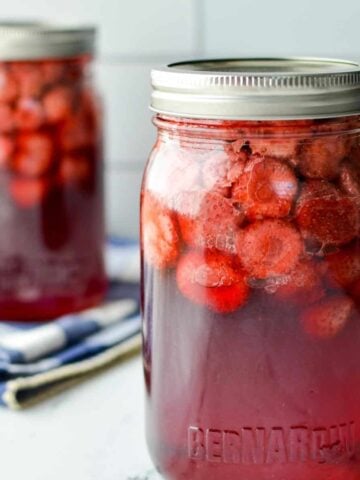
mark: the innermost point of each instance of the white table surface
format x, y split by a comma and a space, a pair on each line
94, 431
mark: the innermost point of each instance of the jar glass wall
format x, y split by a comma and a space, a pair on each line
251, 294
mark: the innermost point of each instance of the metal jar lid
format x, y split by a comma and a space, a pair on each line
31, 40
257, 88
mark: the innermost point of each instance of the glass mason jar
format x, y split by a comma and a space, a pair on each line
251, 271
51, 214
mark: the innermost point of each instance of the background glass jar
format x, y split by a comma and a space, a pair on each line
251, 272
51, 214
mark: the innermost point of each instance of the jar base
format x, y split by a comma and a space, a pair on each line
50, 308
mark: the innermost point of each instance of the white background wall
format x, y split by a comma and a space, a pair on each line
138, 34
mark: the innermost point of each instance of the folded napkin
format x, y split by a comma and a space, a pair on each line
40, 359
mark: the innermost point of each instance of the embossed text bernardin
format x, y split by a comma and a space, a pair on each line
249, 445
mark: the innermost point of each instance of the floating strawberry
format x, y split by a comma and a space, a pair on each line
74, 169
28, 193
267, 188
350, 179
8, 85
53, 71
76, 133
208, 220
159, 233
58, 104
302, 286
222, 169
344, 266
34, 154
29, 114
328, 317
320, 157
269, 248
212, 279
175, 171
7, 118
326, 215
29, 78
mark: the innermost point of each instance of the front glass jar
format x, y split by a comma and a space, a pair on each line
51, 215
251, 276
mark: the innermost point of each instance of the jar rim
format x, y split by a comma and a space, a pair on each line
257, 88
35, 40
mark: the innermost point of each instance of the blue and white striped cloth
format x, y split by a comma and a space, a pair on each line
39, 359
